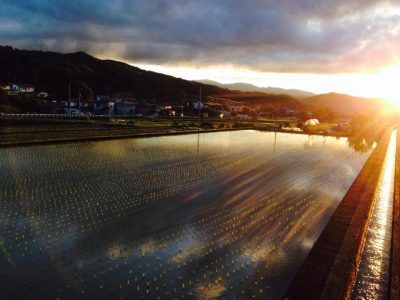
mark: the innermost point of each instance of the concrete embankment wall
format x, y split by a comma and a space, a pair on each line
395, 257
329, 270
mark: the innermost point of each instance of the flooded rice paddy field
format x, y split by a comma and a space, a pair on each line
228, 215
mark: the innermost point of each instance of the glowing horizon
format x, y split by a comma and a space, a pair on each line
380, 84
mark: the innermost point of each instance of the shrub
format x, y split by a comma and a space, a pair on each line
206, 125
9, 109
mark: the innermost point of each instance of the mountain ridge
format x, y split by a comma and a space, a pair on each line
343, 103
247, 87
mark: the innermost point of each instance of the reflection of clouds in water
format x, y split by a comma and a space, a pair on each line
148, 247
259, 253
114, 251
190, 248
182, 254
211, 290
80, 264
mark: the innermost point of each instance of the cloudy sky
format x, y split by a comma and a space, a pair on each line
316, 45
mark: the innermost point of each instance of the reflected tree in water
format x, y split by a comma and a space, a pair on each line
360, 143
365, 131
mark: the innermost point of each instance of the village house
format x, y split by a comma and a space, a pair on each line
5, 86
178, 110
159, 108
144, 108
198, 104
311, 122
104, 105
55, 107
124, 96
224, 113
42, 95
75, 107
243, 116
124, 108
22, 88
236, 108
119, 104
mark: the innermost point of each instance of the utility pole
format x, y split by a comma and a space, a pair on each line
154, 104
200, 109
69, 100
79, 101
183, 97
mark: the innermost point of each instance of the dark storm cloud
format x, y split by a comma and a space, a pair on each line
283, 36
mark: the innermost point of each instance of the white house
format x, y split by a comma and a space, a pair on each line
311, 122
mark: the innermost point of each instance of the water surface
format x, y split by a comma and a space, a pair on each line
226, 215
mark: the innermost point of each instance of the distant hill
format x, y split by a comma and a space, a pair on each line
51, 72
263, 100
342, 103
246, 87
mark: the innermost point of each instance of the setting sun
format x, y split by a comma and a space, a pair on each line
387, 85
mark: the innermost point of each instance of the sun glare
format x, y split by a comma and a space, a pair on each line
387, 85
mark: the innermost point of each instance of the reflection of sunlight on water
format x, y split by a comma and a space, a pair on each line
307, 243
373, 272
118, 149
211, 290
258, 253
